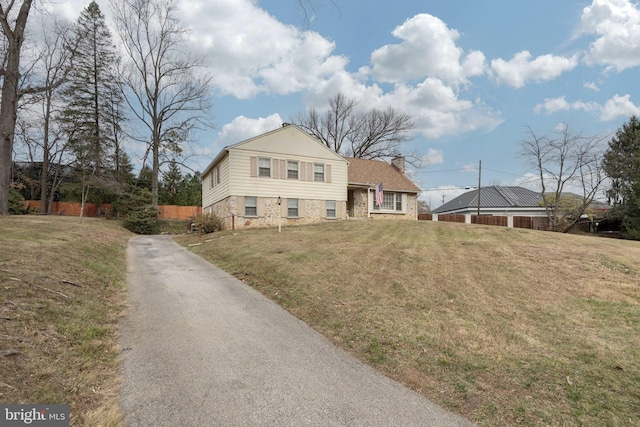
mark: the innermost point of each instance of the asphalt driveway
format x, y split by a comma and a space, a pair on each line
201, 348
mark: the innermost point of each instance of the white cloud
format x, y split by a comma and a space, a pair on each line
616, 24
251, 52
242, 128
617, 106
437, 110
428, 49
522, 69
255, 54
470, 167
432, 157
592, 86
552, 105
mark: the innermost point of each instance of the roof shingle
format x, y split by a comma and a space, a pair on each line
372, 172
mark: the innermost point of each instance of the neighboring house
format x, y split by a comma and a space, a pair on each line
505, 201
286, 177
496, 200
400, 195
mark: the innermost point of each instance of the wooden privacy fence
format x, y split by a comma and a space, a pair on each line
531, 223
489, 220
451, 218
169, 212
179, 212
68, 209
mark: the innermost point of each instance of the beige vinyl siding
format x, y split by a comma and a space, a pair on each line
212, 194
245, 182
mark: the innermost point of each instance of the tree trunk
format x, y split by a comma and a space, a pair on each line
155, 172
8, 117
9, 104
44, 174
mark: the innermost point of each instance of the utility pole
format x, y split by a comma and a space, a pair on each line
479, 184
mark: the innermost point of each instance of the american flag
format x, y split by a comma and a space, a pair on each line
379, 197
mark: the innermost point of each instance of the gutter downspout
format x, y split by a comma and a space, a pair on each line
368, 203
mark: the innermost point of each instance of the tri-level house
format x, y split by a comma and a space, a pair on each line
287, 177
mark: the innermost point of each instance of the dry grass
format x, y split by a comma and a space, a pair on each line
62, 293
503, 326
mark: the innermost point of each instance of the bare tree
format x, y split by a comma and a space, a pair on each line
371, 134
52, 65
13, 20
165, 90
562, 162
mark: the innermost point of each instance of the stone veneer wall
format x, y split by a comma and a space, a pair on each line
360, 204
228, 207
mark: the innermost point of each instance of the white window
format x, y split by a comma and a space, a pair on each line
292, 207
390, 202
398, 202
250, 206
292, 170
264, 167
318, 173
215, 176
331, 208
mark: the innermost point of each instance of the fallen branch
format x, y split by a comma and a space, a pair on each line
14, 304
7, 385
55, 292
68, 282
10, 352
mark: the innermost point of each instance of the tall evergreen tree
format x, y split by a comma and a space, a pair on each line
622, 165
171, 185
94, 101
191, 191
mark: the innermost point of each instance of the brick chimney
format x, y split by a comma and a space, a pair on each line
398, 163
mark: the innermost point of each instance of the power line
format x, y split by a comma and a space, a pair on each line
446, 170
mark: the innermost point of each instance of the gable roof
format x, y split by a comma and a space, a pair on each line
369, 173
494, 197
286, 127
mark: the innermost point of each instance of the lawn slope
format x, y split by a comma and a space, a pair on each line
503, 326
61, 293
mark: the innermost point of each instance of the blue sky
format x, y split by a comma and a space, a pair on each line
473, 74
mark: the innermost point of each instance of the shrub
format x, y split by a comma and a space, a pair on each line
208, 223
142, 221
16, 202
133, 200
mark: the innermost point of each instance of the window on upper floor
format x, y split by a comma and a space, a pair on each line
264, 167
292, 169
318, 172
215, 176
